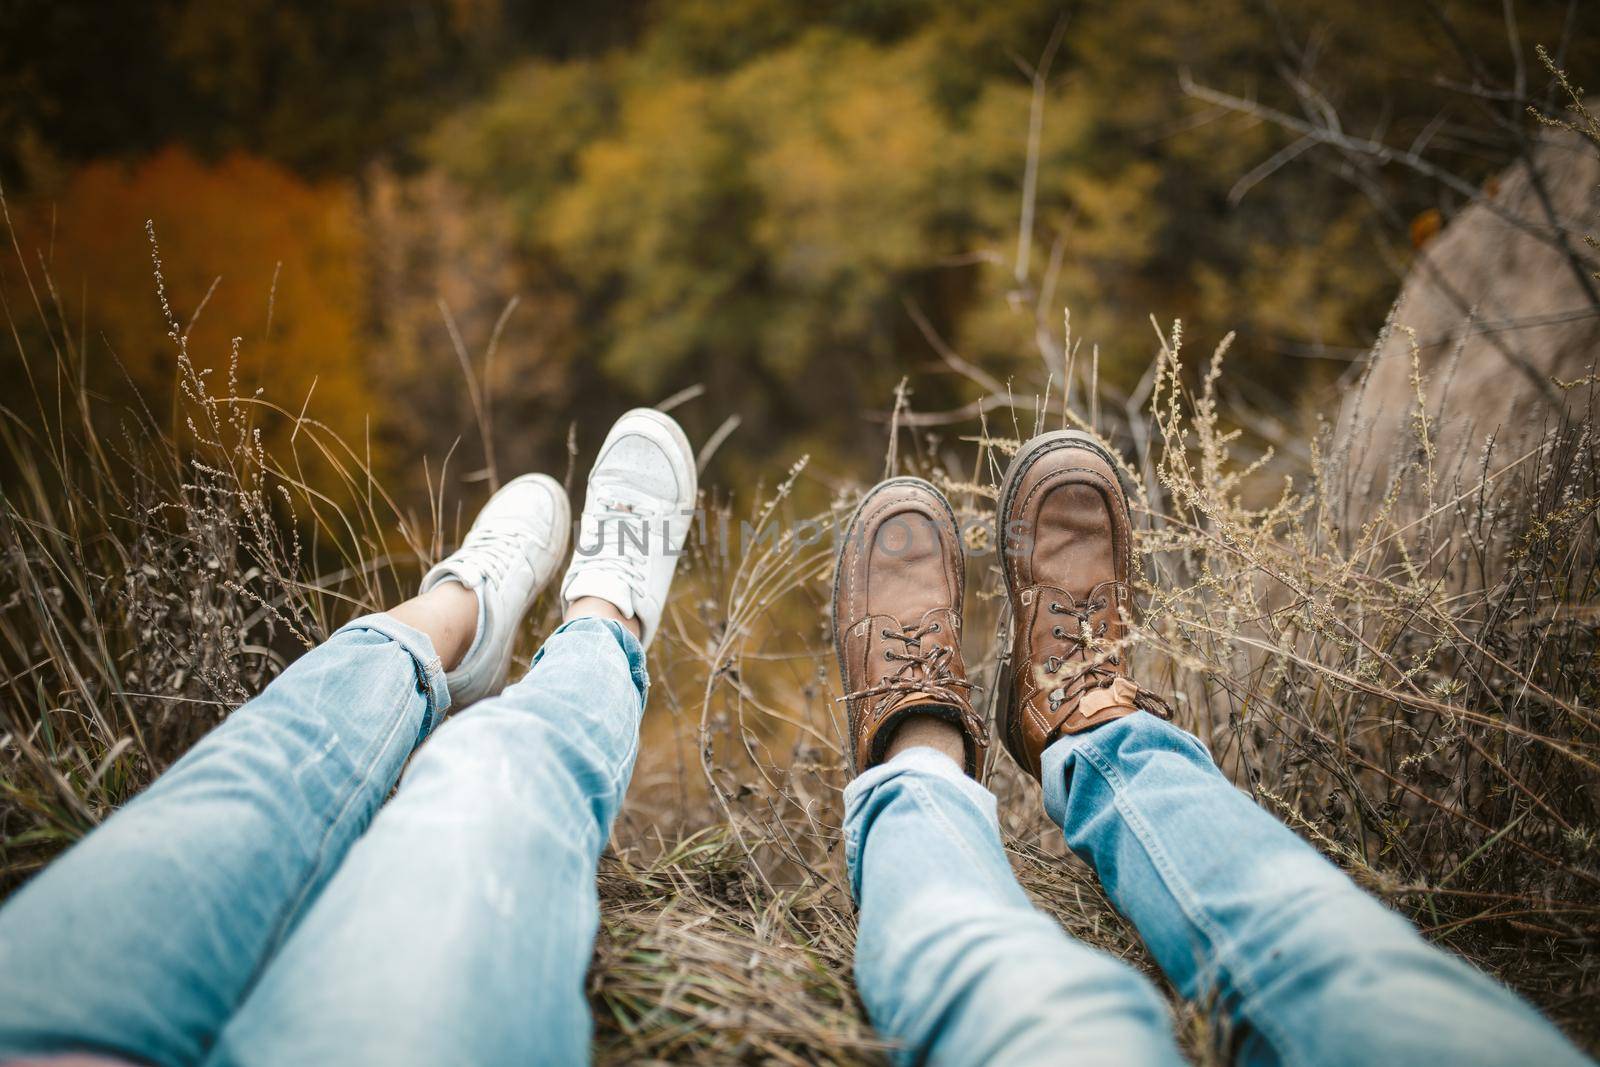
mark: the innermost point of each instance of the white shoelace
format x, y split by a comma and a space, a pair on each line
495, 551
623, 534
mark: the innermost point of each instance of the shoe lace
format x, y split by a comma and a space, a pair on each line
1096, 671
496, 551
622, 535
922, 670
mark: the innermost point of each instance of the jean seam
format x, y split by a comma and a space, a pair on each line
622, 770
285, 922
349, 793
1222, 947
428, 668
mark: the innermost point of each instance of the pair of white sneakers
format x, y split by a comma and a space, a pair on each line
636, 516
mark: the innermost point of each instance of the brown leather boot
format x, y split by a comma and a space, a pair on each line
1067, 552
897, 590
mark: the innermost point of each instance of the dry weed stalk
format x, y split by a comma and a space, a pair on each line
1405, 672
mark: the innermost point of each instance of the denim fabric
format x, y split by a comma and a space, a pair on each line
236, 911
1299, 965
460, 927
142, 939
953, 963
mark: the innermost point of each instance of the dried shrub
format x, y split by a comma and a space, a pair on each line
1403, 671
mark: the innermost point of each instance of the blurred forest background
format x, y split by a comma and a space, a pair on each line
788, 203
409, 247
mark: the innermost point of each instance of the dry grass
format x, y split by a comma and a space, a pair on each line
1404, 671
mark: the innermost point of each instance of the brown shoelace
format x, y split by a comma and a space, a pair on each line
1095, 673
923, 670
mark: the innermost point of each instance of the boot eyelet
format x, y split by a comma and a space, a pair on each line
934, 628
1058, 633
884, 634
888, 653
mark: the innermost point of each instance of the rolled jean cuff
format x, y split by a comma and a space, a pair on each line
424, 660
917, 762
631, 648
1092, 744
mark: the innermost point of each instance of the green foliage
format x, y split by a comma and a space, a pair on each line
749, 194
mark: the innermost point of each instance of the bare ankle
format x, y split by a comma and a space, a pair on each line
928, 731
596, 608
448, 614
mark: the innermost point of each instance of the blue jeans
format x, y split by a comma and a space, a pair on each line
1299, 965
261, 904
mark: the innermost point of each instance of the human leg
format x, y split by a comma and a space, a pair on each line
952, 961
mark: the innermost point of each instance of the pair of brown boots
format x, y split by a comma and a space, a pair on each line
1066, 544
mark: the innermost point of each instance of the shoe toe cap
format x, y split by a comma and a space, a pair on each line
642, 463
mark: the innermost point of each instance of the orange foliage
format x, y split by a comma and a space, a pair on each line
1426, 226
285, 256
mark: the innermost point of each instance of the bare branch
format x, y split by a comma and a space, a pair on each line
982, 378
1030, 174
1379, 153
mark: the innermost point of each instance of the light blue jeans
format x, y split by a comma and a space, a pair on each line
260, 903
1299, 965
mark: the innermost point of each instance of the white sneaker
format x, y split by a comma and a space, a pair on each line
510, 554
636, 518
